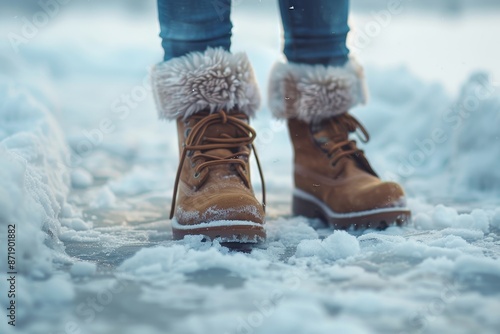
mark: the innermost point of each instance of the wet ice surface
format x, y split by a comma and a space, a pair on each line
117, 270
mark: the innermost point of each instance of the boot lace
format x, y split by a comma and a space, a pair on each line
337, 144
196, 143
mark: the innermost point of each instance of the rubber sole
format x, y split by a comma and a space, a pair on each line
309, 206
225, 231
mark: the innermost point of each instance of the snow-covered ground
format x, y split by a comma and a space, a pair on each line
87, 172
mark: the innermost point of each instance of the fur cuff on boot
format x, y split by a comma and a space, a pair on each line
210, 80
312, 93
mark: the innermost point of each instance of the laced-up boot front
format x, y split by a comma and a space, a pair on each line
215, 196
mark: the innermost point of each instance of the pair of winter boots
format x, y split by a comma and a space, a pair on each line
213, 94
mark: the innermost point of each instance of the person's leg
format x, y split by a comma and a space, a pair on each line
211, 93
315, 91
194, 25
315, 31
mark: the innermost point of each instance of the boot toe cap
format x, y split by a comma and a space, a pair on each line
229, 206
384, 195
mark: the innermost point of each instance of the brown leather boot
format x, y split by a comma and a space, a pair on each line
333, 179
212, 95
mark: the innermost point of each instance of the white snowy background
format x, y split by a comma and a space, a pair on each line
86, 174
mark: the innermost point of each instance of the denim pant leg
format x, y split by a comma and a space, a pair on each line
315, 31
194, 25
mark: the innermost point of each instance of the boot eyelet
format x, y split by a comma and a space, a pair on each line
190, 153
196, 175
186, 132
193, 164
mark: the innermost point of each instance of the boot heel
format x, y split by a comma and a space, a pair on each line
303, 207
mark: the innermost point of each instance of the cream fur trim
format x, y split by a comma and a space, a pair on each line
210, 80
312, 93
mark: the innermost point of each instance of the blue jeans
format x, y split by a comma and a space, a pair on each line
315, 30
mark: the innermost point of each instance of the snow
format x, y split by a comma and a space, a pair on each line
139, 180
34, 180
80, 178
339, 245
495, 221
104, 199
91, 202
76, 224
82, 269
442, 217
